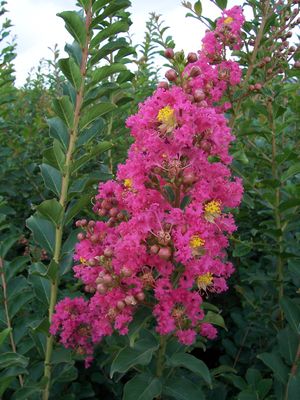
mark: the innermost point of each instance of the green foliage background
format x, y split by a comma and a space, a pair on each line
258, 355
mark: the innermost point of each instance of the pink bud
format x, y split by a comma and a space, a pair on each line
126, 272
192, 57
154, 249
108, 252
171, 75
80, 236
107, 279
169, 53
163, 85
165, 253
258, 86
113, 212
120, 305
140, 296
199, 95
189, 178
195, 71
101, 288
130, 300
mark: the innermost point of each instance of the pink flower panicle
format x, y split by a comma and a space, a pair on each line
164, 220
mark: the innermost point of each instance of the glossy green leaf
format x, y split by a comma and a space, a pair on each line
110, 30
142, 387
4, 334
180, 388
71, 70
95, 112
198, 8
43, 232
51, 210
215, 319
26, 392
64, 109
95, 151
191, 363
59, 131
52, 178
288, 344
292, 313
11, 359
222, 3
108, 70
128, 357
75, 25
274, 362
291, 171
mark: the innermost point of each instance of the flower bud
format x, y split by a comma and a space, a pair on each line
126, 272
130, 300
154, 249
169, 53
192, 57
107, 279
120, 305
80, 236
163, 85
195, 71
108, 252
171, 75
101, 288
258, 86
140, 296
165, 253
199, 95
113, 212
189, 178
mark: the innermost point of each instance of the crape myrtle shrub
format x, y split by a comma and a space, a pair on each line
150, 259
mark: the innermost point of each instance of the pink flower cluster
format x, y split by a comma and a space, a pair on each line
164, 222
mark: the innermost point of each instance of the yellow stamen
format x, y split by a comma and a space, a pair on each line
213, 207
82, 260
166, 116
128, 183
196, 241
228, 20
205, 280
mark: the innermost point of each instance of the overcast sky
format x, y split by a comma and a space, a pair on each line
37, 27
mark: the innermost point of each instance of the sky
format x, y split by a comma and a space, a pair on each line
37, 27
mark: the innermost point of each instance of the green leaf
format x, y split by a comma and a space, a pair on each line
42, 288
198, 8
77, 206
112, 29
292, 313
215, 319
6, 245
43, 232
241, 249
95, 112
64, 109
274, 362
104, 72
55, 156
181, 388
75, 25
293, 170
52, 178
11, 359
222, 3
139, 322
128, 357
4, 334
288, 344
95, 151
107, 49
142, 387
59, 131
88, 134
26, 392
51, 210
71, 70
191, 363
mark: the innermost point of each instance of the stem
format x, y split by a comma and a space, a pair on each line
161, 357
8, 322
293, 372
252, 60
277, 216
63, 198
